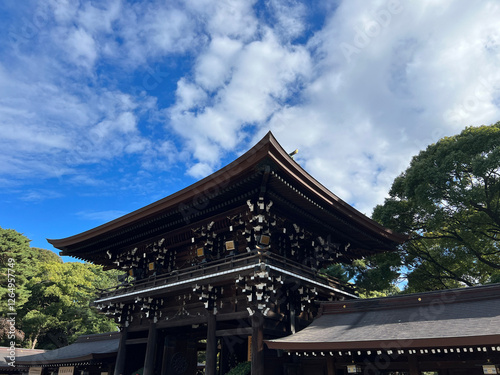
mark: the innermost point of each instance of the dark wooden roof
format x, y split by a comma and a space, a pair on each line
287, 184
452, 318
20, 353
86, 348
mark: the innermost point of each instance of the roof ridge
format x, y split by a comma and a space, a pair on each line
424, 299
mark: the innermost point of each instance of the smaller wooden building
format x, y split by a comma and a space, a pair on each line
450, 332
9, 362
89, 355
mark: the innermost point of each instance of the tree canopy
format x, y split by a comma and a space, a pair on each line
52, 298
448, 201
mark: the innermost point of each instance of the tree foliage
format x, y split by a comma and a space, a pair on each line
52, 298
59, 308
448, 201
13, 245
372, 276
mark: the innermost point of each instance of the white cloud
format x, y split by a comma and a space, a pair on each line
101, 216
360, 115
189, 95
372, 112
214, 67
39, 195
233, 18
168, 29
49, 130
200, 170
100, 19
376, 83
63, 10
289, 16
124, 123
82, 48
260, 78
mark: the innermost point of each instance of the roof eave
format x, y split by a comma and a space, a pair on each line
237, 167
418, 343
268, 146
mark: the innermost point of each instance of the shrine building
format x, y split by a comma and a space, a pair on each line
214, 271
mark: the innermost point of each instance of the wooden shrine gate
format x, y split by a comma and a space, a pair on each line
230, 260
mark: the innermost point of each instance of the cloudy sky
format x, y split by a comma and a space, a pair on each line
106, 106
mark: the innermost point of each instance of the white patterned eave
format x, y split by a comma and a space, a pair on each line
160, 287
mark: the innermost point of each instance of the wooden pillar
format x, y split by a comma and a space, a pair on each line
330, 366
149, 361
257, 344
292, 320
122, 351
413, 365
168, 351
211, 353
191, 355
224, 358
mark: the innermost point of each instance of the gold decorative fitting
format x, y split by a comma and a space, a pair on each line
264, 240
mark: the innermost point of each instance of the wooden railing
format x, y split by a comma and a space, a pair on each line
300, 269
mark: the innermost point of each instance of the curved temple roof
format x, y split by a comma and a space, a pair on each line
445, 318
86, 348
308, 194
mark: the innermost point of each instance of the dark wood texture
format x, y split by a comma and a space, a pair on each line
122, 352
257, 344
149, 361
211, 352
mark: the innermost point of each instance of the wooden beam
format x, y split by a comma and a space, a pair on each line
211, 352
257, 344
232, 316
244, 331
121, 355
149, 361
201, 319
138, 328
142, 340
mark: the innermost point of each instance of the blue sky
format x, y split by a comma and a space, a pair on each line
106, 106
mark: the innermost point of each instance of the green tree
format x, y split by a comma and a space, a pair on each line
448, 201
16, 255
59, 308
53, 298
373, 276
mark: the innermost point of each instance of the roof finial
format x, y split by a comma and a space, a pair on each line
294, 152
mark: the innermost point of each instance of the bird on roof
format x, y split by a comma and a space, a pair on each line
293, 153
